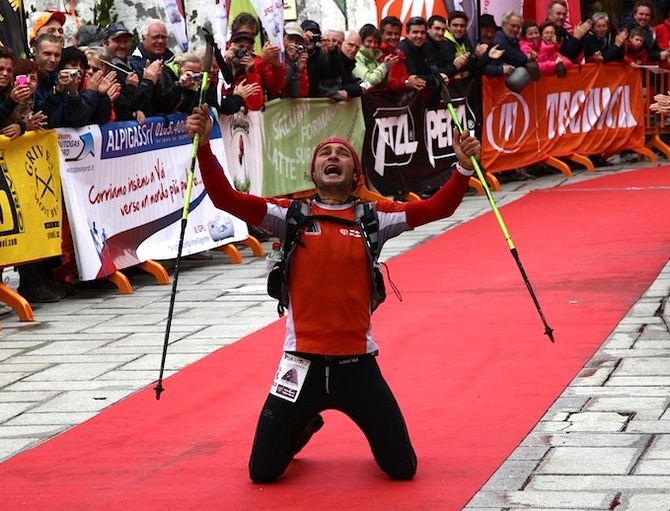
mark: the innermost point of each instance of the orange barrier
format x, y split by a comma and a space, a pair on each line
596, 110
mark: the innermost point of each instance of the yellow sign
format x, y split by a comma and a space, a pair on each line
31, 202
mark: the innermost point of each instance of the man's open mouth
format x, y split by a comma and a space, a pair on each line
332, 170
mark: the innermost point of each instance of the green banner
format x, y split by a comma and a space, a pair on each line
293, 128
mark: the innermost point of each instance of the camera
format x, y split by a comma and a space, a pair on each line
316, 38
196, 77
21, 80
300, 48
72, 73
239, 53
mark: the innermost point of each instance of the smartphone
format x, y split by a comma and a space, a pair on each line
21, 80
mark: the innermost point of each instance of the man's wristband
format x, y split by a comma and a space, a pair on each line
464, 171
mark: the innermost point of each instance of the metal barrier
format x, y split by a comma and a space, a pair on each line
655, 80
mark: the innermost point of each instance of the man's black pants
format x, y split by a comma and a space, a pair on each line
352, 385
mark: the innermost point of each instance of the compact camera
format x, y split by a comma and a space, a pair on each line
300, 48
239, 53
73, 73
21, 80
196, 77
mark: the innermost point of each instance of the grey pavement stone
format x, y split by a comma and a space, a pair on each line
653, 467
588, 460
656, 366
643, 381
648, 408
645, 502
31, 431
9, 378
80, 401
72, 372
10, 446
597, 421
592, 482
9, 410
7, 396
659, 448
60, 418
67, 347
593, 377
652, 427
619, 391
540, 499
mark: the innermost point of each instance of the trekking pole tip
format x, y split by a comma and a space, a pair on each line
549, 332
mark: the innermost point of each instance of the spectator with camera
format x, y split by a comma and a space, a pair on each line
318, 62
16, 97
152, 61
240, 57
89, 100
296, 80
26, 74
267, 65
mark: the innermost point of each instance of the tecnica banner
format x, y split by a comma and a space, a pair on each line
595, 109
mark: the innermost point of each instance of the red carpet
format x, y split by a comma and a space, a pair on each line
465, 354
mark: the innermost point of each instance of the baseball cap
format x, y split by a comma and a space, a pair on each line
42, 20
114, 30
240, 36
311, 26
293, 28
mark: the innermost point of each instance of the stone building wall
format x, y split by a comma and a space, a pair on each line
199, 13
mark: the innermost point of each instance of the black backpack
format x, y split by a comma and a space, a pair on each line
298, 220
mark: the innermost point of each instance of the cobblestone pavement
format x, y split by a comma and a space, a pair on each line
604, 443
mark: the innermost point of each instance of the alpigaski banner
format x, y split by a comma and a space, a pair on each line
293, 128
124, 186
30, 198
597, 109
408, 140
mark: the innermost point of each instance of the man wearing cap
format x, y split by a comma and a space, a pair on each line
49, 22
136, 95
296, 81
152, 61
487, 28
240, 57
329, 350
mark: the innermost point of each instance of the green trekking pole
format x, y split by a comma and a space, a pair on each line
204, 84
446, 97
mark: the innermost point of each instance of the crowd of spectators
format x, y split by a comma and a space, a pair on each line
110, 78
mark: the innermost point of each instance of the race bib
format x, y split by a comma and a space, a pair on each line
290, 377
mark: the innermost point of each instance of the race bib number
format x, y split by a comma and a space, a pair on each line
290, 377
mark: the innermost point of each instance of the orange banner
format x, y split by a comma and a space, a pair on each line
596, 109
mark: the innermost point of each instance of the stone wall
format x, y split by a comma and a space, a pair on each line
134, 13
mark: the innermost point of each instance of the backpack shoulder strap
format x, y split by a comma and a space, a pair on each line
366, 216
